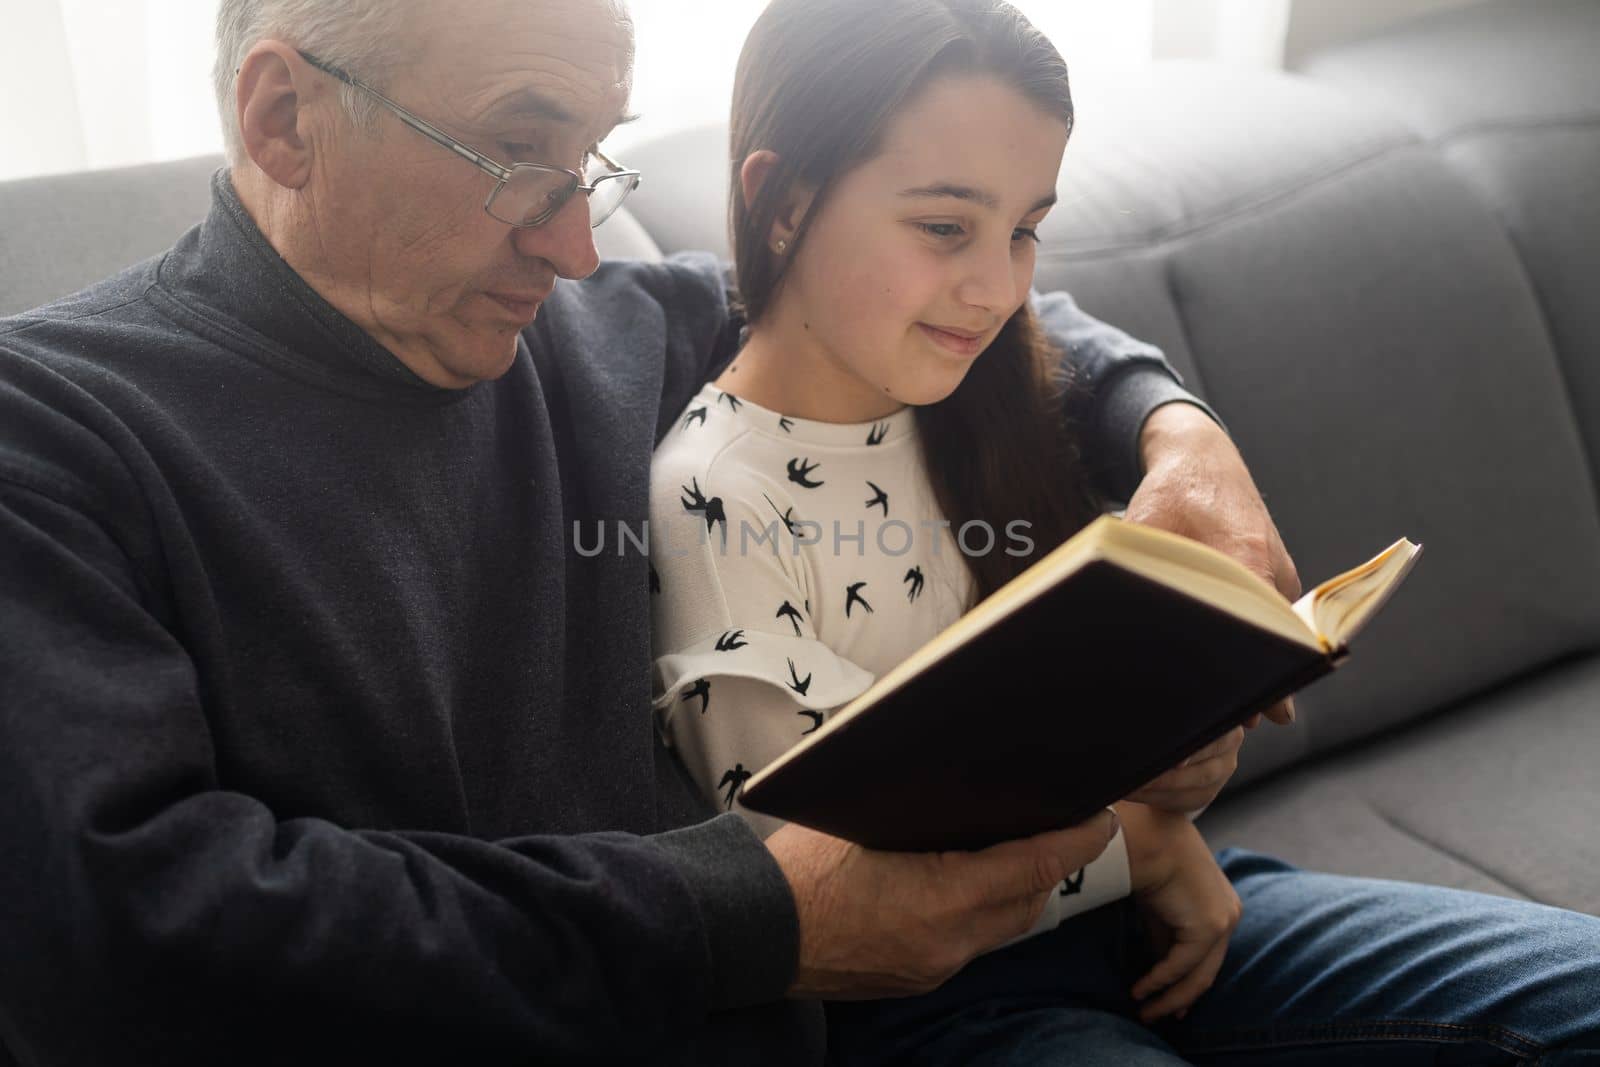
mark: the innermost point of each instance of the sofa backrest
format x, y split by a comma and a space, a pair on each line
1359, 318
1508, 95
61, 232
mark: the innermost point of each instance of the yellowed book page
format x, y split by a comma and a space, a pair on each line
1206, 574
1337, 609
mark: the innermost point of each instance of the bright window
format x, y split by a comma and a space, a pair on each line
76, 95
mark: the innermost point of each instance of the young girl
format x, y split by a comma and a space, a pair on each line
887, 448
884, 451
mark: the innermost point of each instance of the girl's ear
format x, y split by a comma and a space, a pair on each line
757, 168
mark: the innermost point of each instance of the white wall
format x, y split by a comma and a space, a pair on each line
99, 83
683, 70
1247, 32
1315, 24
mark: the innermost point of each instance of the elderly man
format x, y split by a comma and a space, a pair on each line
317, 738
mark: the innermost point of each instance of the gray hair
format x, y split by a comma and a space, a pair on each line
359, 35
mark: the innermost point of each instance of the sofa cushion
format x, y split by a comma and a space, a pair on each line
683, 196
1508, 93
1364, 327
66, 231
1499, 796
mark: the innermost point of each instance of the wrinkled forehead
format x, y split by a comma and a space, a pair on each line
567, 63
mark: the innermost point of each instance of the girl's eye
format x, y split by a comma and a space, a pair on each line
941, 229
520, 152
1022, 233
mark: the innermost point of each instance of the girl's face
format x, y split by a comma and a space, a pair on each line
920, 255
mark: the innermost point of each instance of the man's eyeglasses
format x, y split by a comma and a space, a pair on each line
525, 194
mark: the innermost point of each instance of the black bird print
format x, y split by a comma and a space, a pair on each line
808, 607
797, 685
733, 402
1074, 885
814, 716
695, 415
880, 430
731, 640
784, 515
732, 781
853, 596
800, 471
784, 423
879, 498
914, 576
701, 689
792, 613
710, 509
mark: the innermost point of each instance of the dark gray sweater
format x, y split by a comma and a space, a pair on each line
317, 738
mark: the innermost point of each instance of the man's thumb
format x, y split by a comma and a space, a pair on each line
1048, 858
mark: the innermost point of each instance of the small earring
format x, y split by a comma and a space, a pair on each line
782, 244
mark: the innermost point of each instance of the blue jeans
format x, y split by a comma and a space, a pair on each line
1323, 970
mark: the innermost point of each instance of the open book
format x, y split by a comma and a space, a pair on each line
1104, 664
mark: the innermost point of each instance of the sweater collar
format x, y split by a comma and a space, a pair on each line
229, 265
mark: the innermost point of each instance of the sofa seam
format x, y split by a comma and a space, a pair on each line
1172, 234
1490, 127
1395, 824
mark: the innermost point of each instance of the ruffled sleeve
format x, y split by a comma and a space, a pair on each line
739, 674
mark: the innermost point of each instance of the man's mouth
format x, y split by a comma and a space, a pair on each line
524, 306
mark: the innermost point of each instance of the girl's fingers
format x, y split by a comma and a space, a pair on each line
1283, 712
1183, 994
1226, 743
1180, 959
1202, 774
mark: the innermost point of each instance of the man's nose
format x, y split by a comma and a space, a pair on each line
566, 241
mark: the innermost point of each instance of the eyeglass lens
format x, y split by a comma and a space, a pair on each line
608, 194
533, 195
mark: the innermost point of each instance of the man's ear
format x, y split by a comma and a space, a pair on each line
270, 94
757, 168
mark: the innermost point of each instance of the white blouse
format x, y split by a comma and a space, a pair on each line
792, 563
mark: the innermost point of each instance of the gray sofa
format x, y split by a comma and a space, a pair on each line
1379, 271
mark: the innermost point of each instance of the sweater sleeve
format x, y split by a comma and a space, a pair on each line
1117, 381
144, 898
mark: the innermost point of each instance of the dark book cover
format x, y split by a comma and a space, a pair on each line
1066, 705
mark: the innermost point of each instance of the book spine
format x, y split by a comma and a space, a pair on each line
1317, 668
1288, 685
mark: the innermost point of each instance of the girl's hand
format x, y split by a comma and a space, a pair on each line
1188, 906
1195, 783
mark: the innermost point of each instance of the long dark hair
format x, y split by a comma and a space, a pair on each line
817, 83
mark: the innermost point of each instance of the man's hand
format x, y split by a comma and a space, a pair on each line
1196, 484
1188, 906
1195, 783
883, 924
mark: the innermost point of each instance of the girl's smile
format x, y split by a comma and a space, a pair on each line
903, 271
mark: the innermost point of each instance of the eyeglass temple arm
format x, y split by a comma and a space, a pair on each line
432, 132
421, 125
